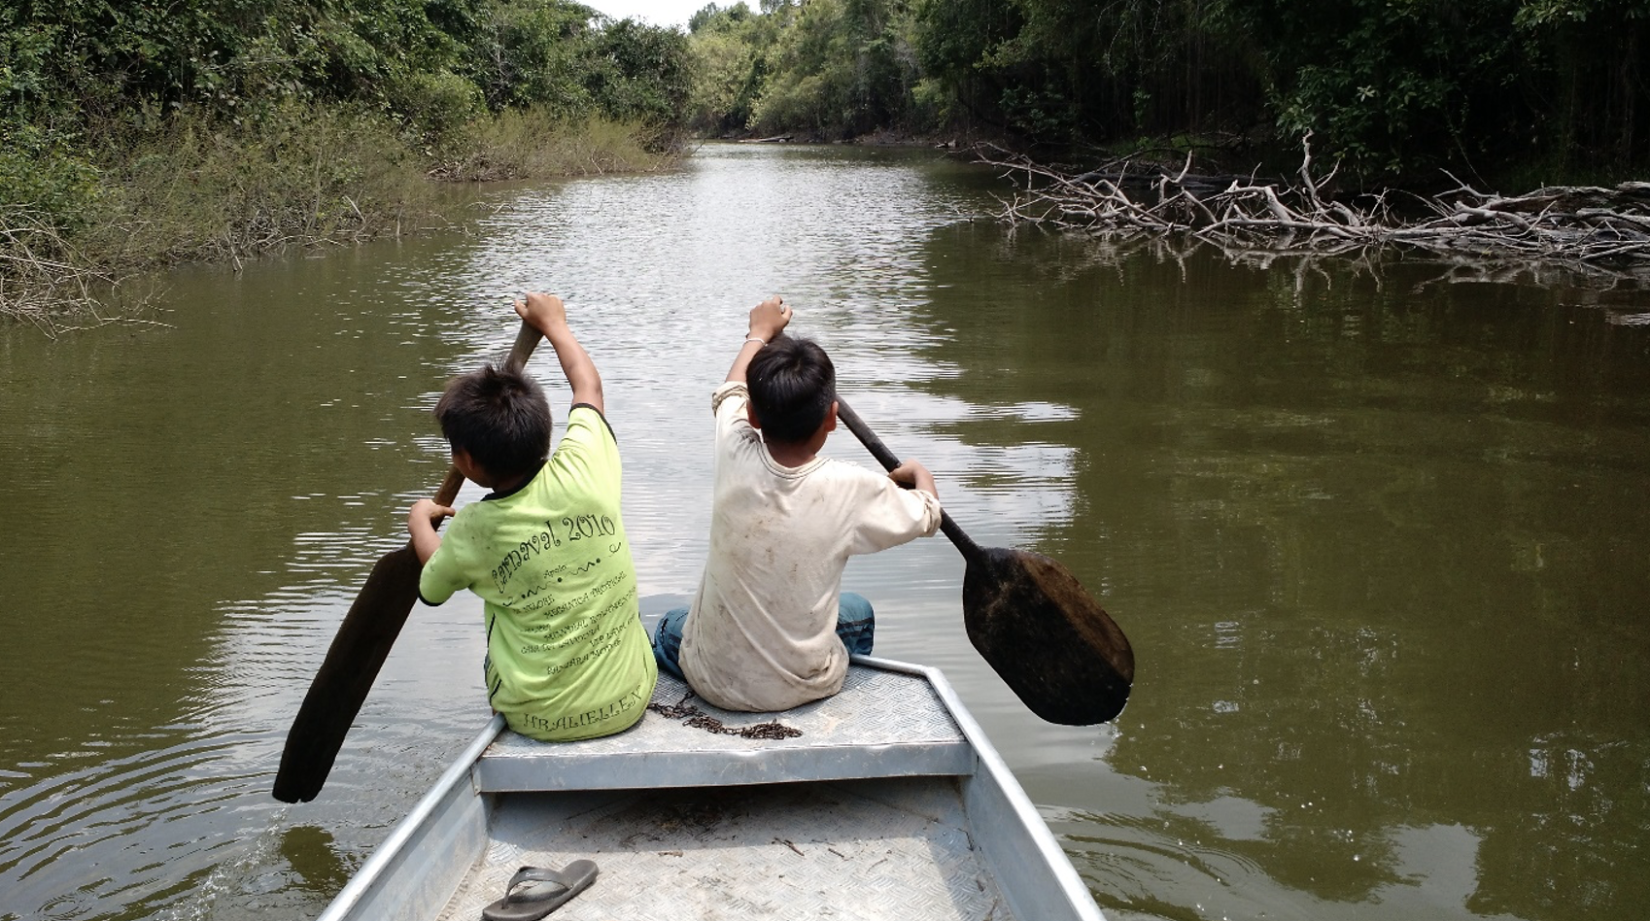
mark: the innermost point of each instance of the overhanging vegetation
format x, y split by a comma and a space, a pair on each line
139, 134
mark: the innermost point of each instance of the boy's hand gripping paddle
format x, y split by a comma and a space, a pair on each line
361, 646
1047, 638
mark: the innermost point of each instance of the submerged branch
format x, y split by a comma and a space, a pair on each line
1589, 229
48, 283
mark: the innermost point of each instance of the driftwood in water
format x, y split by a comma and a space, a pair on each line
776, 139
46, 281
1588, 228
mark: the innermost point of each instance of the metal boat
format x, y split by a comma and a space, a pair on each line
883, 801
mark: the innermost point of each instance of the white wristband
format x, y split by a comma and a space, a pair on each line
757, 339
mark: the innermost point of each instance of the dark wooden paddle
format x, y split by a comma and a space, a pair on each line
1033, 622
361, 646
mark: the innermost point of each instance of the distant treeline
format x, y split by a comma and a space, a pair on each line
1395, 89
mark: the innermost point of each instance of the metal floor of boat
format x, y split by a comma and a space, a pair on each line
881, 848
897, 848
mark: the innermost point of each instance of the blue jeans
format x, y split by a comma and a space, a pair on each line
856, 624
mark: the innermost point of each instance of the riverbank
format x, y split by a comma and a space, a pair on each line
192, 189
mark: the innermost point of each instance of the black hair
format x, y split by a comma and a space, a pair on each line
792, 385
500, 417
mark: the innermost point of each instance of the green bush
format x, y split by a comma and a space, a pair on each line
302, 174
436, 104
536, 144
41, 176
797, 101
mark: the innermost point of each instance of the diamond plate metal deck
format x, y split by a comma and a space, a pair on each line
895, 849
882, 723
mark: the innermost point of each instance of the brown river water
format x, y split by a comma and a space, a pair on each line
1378, 534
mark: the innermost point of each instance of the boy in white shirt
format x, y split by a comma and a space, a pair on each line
771, 628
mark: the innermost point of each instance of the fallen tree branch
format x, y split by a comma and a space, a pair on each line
46, 282
1588, 228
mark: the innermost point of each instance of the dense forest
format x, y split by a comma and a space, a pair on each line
1396, 88
139, 132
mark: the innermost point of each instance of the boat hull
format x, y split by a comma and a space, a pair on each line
890, 803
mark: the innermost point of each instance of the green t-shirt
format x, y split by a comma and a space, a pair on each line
567, 657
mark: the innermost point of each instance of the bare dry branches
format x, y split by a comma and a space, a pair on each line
1590, 230
47, 282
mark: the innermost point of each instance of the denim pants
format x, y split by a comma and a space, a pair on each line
855, 624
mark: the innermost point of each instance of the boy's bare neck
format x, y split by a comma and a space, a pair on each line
791, 455
507, 484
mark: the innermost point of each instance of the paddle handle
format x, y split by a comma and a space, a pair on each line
527, 339
889, 461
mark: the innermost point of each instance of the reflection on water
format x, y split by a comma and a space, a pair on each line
1394, 534
1378, 539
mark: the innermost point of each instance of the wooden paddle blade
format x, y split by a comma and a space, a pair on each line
1047, 638
340, 687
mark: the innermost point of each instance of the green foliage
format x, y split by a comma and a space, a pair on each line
92, 62
1535, 14
558, 57
639, 73
47, 196
298, 174
1402, 88
41, 175
808, 88
1392, 87
532, 144
1586, 57
827, 68
527, 54
725, 78
1062, 70
728, 49
140, 131
711, 16
439, 102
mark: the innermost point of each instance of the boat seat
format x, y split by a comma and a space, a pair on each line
882, 723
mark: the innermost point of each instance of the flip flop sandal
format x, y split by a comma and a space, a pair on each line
524, 901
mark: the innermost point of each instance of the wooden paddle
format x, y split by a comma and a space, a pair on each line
361, 646
1047, 638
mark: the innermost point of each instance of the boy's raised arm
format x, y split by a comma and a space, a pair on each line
547, 314
768, 320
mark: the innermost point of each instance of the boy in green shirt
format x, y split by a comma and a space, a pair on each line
567, 657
